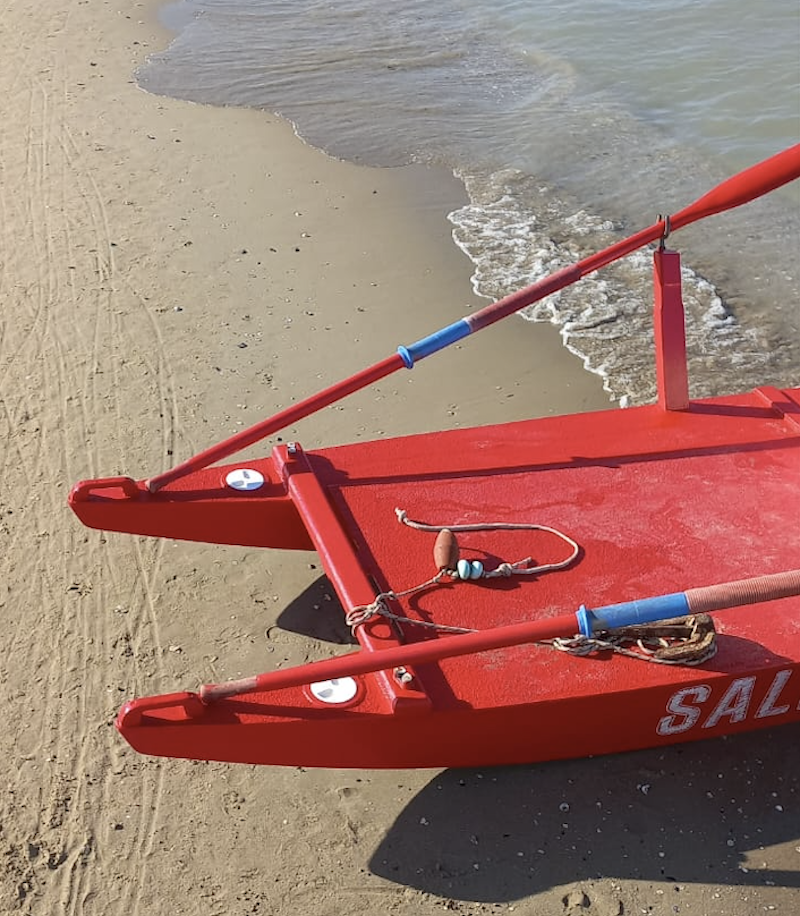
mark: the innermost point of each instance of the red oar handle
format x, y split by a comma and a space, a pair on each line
745, 591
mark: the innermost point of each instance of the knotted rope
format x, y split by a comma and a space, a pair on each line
520, 568
680, 641
360, 615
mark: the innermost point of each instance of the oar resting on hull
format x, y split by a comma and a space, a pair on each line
585, 621
749, 184
328, 713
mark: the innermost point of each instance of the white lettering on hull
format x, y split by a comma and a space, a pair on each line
768, 707
734, 704
682, 717
686, 706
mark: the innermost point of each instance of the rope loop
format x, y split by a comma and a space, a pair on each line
681, 641
360, 615
521, 567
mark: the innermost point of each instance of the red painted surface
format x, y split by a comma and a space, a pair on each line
196, 507
293, 730
672, 376
660, 501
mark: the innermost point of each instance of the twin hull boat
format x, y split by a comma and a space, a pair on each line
565, 609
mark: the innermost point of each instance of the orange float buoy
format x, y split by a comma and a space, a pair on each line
445, 550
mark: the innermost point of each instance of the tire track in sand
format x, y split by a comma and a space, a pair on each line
65, 652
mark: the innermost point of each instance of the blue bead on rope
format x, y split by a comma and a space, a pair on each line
467, 569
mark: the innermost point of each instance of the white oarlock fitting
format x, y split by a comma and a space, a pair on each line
245, 479
337, 690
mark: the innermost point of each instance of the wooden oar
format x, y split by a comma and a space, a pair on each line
745, 186
629, 613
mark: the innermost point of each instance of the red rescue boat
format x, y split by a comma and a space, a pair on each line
528, 591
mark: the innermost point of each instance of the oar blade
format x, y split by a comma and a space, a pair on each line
754, 182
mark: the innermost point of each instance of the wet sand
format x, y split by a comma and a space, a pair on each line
170, 274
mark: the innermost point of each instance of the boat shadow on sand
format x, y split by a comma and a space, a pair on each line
707, 812
318, 614
724, 811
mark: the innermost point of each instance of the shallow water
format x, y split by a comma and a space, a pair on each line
571, 125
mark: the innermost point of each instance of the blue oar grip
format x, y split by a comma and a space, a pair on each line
434, 342
630, 613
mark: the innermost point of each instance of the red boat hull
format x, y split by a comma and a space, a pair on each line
272, 729
694, 497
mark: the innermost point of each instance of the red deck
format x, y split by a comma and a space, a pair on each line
696, 497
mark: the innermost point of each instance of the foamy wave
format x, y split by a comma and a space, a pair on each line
517, 233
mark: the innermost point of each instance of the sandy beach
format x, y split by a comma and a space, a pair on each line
169, 274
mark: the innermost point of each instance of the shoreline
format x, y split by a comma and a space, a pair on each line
563, 208
419, 199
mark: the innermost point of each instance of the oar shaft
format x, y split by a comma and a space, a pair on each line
557, 281
279, 421
628, 613
741, 188
753, 182
365, 662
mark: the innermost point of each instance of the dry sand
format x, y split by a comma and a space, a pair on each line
145, 243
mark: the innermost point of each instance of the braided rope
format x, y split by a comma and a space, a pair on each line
586, 645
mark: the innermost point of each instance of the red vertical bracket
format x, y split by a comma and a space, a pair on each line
670, 336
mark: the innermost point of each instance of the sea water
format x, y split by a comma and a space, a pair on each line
572, 123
